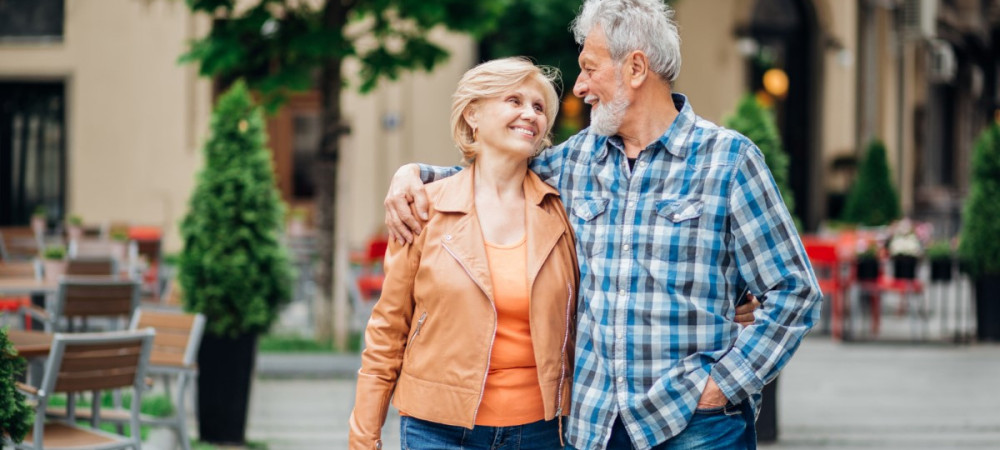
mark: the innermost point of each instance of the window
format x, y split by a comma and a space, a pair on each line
32, 151
31, 20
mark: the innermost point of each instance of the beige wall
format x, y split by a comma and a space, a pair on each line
422, 102
712, 72
134, 117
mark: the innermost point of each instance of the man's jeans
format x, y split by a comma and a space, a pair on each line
417, 434
729, 427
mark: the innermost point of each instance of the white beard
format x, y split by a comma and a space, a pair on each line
607, 118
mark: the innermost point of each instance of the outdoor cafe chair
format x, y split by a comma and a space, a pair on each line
92, 266
88, 362
84, 298
19, 244
173, 358
828, 267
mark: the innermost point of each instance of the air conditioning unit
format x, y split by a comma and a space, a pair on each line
941, 63
919, 18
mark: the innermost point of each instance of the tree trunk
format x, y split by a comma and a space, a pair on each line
327, 162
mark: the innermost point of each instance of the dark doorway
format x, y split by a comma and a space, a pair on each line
32, 151
785, 33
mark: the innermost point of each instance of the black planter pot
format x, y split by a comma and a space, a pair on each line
225, 368
867, 269
941, 269
904, 267
988, 308
767, 419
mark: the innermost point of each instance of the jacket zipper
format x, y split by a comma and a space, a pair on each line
482, 388
420, 323
562, 363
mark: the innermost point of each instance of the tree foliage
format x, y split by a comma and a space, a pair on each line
15, 415
872, 200
757, 124
233, 268
278, 45
980, 239
537, 29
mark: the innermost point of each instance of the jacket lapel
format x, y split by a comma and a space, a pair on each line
464, 241
544, 228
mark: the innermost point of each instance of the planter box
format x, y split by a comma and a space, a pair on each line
941, 269
904, 267
867, 269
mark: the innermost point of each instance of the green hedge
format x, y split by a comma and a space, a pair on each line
980, 237
233, 268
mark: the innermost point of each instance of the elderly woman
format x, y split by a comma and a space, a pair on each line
472, 337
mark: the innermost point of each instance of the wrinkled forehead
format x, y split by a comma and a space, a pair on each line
595, 47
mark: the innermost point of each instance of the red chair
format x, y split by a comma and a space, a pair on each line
14, 304
827, 265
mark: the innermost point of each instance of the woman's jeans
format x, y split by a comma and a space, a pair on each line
417, 434
729, 427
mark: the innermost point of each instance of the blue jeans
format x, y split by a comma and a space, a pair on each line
417, 434
729, 428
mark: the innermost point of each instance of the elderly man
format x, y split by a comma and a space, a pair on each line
673, 215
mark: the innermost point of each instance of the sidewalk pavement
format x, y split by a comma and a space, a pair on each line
830, 396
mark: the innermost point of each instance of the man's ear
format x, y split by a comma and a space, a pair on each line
636, 68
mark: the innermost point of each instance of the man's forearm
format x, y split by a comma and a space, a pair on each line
429, 173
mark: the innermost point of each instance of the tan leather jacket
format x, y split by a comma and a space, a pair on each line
430, 334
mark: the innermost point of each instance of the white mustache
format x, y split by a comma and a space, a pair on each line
590, 99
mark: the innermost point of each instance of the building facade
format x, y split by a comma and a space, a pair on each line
99, 119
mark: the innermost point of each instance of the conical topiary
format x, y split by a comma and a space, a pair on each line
757, 124
15, 415
872, 201
979, 248
233, 268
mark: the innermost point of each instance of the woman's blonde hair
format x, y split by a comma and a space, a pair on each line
494, 78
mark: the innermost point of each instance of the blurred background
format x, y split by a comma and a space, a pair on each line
106, 105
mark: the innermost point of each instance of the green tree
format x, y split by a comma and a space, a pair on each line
980, 239
233, 268
281, 45
15, 415
757, 124
872, 199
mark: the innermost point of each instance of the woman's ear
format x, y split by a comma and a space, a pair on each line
471, 116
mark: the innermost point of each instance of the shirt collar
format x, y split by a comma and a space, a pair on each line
673, 140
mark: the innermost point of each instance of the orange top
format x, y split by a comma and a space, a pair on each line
512, 395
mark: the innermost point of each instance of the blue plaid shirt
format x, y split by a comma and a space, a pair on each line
664, 250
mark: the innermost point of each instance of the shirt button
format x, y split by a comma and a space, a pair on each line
625, 247
621, 292
447, 237
642, 163
621, 379
631, 204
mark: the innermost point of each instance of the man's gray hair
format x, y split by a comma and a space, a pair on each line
630, 25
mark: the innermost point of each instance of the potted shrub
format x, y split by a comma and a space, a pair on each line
233, 268
941, 257
905, 251
979, 249
38, 219
867, 262
74, 227
872, 201
15, 415
54, 262
119, 245
756, 122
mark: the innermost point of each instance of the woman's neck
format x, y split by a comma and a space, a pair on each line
500, 177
